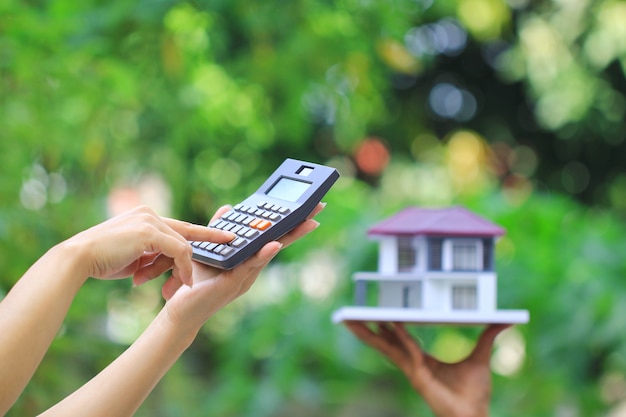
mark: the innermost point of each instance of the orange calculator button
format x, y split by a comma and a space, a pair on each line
263, 225
254, 223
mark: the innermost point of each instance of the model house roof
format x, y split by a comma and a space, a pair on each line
450, 221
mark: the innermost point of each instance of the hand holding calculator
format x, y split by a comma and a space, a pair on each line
284, 201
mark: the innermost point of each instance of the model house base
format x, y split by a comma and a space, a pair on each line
418, 316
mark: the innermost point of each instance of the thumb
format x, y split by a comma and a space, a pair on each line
482, 350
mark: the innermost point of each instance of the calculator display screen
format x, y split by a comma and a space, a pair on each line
288, 189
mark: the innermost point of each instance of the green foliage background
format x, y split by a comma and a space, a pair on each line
186, 105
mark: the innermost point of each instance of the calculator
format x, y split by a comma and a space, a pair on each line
281, 203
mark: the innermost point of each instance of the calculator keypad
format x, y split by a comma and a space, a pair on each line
246, 222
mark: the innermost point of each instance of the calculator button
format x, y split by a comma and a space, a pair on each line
264, 225
247, 220
254, 222
266, 214
232, 216
251, 210
229, 226
238, 207
259, 212
221, 224
251, 233
236, 228
211, 246
275, 207
238, 242
283, 210
226, 251
242, 231
240, 218
261, 204
218, 248
203, 244
215, 223
275, 216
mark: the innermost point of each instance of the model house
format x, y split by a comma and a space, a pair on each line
434, 265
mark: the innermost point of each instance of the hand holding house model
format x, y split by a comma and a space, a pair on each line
435, 266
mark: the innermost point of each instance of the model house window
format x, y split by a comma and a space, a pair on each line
406, 254
412, 295
488, 254
465, 255
464, 297
435, 252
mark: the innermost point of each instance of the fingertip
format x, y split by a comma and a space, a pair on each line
277, 247
270, 250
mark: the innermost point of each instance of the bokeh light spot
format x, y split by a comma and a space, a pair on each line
451, 102
372, 156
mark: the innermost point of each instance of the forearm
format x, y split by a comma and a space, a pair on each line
30, 317
121, 388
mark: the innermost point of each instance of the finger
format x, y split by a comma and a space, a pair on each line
150, 271
194, 232
158, 236
412, 347
244, 275
260, 259
316, 210
365, 334
414, 350
177, 250
299, 231
388, 332
359, 329
484, 345
304, 228
170, 287
254, 263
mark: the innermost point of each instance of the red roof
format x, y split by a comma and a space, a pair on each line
451, 221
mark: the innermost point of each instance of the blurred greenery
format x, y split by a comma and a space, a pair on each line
514, 109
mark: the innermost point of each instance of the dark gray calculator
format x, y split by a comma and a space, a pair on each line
284, 201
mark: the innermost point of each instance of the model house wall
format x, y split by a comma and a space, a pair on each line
433, 259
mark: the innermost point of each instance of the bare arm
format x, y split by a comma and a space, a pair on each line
32, 312
30, 317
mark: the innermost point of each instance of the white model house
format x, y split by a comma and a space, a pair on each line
434, 266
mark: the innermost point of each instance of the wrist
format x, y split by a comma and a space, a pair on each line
72, 256
183, 334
